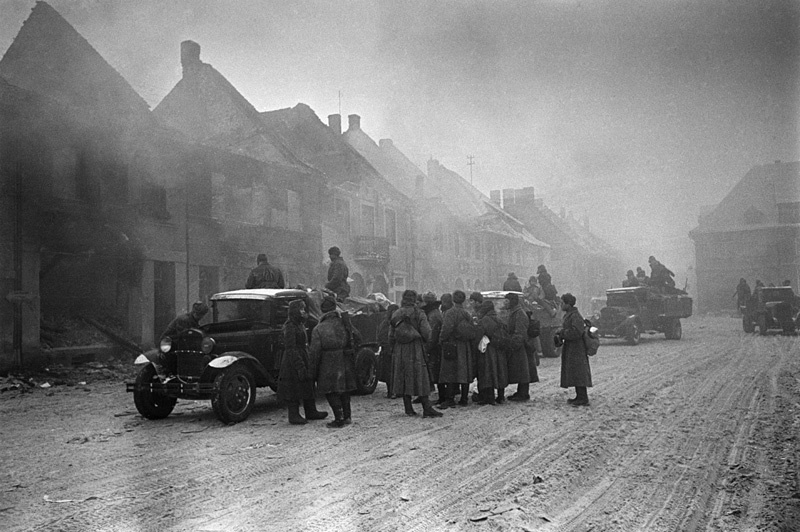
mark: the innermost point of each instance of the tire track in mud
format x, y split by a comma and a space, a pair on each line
723, 397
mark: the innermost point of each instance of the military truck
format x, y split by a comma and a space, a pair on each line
631, 311
238, 351
773, 307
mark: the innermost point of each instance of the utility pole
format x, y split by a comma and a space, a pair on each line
471, 163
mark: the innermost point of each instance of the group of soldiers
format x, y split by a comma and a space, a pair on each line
660, 277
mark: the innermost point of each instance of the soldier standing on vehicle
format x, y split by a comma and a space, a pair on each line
337, 274
296, 379
331, 353
660, 275
167, 368
408, 335
630, 280
575, 370
512, 283
264, 275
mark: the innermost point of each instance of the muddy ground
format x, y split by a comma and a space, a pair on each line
696, 434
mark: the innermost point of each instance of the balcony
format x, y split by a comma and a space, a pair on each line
371, 250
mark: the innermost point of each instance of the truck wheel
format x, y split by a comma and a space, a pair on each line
366, 371
151, 405
674, 330
633, 334
762, 324
235, 394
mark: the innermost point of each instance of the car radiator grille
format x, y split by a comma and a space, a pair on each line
191, 364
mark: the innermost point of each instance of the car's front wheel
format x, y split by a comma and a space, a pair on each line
633, 334
235, 394
366, 371
150, 404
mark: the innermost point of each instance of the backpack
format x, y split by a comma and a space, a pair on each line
590, 340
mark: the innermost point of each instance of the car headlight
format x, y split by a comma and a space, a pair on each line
166, 344
207, 345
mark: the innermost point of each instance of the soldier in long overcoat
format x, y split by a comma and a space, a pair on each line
338, 273
296, 377
332, 352
409, 332
519, 370
492, 363
458, 333
385, 359
434, 349
575, 370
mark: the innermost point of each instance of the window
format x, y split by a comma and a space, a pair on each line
342, 208
391, 227
367, 220
789, 213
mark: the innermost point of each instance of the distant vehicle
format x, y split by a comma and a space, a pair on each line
771, 308
631, 311
238, 351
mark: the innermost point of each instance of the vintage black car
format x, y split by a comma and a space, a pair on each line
629, 312
773, 307
238, 351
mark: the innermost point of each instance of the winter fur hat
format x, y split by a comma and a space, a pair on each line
429, 297
262, 257
459, 296
335, 251
328, 303
486, 307
513, 299
409, 299
569, 299
476, 297
200, 308
295, 308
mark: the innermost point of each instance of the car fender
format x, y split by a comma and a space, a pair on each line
630, 320
233, 357
152, 357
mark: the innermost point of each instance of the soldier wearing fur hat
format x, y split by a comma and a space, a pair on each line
296, 378
337, 274
512, 283
520, 371
409, 332
575, 369
331, 351
168, 365
458, 334
385, 359
492, 364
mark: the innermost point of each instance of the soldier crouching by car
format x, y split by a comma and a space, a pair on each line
167, 366
296, 380
332, 351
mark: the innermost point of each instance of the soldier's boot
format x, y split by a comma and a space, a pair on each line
501, 396
346, 413
294, 414
442, 388
336, 405
582, 398
427, 408
464, 395
409, 406
485, 396
310, 407
522, 393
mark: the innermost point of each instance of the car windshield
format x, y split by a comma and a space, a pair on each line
777, 294
242, 309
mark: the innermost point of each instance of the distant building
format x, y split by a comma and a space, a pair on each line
754, 232
580, 262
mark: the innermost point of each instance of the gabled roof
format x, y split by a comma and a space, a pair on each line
207, 107
49, 57
317, 145
388, 160
753, 201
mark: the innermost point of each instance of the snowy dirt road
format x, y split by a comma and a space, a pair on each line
696, 434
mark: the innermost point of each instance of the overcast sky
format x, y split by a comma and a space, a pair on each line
664, 103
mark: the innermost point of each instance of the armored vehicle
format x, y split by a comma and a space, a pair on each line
227, 359
631, 311
771, 308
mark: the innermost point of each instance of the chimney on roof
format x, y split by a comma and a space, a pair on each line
355, 122
386, 143
190, 57
335, 123
508, 196
494, 195
526, 194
